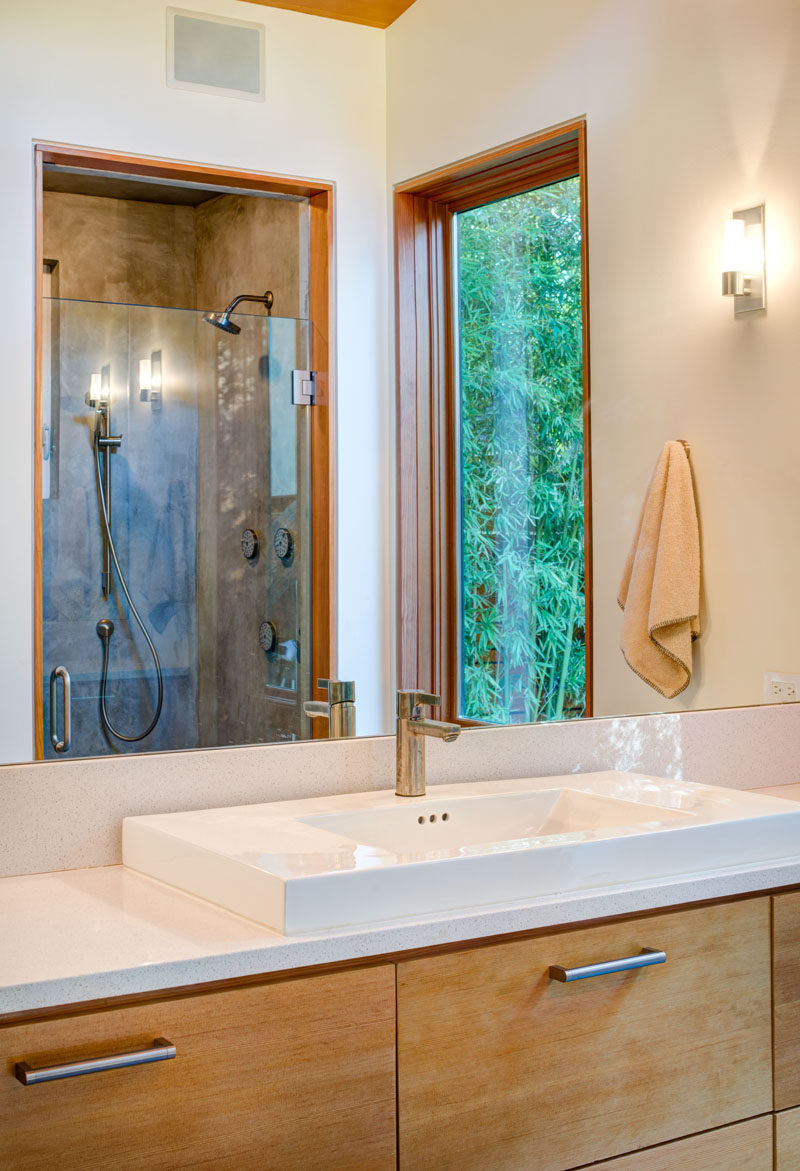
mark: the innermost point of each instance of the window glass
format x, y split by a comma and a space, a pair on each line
520, 398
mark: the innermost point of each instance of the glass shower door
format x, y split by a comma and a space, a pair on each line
208, 504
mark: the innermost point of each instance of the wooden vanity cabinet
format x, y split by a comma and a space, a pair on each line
501, 1067
786, 991
293, 1075
787, 1140
745, 1146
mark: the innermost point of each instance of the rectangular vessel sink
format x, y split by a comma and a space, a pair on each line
301, 866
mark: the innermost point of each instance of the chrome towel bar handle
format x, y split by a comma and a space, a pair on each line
646, 958
160, 1050
60, 745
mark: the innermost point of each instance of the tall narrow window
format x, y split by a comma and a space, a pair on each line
494, 548
521, 478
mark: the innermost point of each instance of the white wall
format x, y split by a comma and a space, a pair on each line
92, 73
692, 108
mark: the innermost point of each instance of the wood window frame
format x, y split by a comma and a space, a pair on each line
427, 544
321, 236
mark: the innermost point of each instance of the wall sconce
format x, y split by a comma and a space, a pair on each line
156, 380
743, 269
150, 380
145, 376
99, 392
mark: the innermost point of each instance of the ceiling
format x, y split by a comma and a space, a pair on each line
377, 13
107, 184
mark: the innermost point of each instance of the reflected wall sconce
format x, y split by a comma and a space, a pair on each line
150, 380
743, 267
99, 392
156, 380
145, 379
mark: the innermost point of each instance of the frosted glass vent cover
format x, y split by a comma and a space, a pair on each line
214, 54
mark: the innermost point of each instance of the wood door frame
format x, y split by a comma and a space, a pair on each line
321, 197
427, 546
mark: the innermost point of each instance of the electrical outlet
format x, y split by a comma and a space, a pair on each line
781, 688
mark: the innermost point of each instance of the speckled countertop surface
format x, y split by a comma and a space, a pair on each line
78, 935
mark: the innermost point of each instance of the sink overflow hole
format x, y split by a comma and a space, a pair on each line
432, 818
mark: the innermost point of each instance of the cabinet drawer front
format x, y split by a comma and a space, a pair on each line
290, 1075
787, 1140
786, 977
745, 1146
502, 1067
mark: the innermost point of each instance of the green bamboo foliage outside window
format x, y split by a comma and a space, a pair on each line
521, 406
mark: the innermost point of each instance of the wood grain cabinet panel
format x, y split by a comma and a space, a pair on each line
786, 987
286, 1076
745, 1146
501, 1068
787, 1140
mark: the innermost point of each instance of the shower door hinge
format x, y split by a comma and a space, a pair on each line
304, 387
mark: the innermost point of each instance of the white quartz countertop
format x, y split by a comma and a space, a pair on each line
78, 935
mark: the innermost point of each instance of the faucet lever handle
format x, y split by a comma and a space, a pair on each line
339, 690
426, 699
408, 701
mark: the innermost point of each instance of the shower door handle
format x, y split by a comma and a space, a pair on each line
61, 673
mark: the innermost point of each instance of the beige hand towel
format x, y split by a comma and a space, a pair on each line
660, 588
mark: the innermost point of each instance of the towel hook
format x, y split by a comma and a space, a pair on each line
686, 446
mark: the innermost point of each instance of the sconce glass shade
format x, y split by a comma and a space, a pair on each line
99, 392
145, 376
156, 380
734, 249
743, 267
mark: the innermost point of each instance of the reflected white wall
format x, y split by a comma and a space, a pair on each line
692, 109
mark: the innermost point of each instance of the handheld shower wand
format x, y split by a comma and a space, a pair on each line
103, 444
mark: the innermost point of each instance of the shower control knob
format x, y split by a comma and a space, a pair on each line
250, 544
268, 637
283, 543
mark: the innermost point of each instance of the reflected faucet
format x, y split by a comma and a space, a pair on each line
339, 711
412, 729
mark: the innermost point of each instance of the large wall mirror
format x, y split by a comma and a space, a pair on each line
594, 448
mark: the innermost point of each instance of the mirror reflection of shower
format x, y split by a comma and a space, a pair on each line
223, 320
149, 604
98, 398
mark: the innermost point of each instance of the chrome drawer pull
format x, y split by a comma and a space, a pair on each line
647, 956
160, 1050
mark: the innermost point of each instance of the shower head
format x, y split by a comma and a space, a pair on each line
223, 320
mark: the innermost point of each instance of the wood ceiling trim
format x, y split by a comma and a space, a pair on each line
375, 13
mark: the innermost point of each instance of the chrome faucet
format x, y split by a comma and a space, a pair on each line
339, 711
412, 729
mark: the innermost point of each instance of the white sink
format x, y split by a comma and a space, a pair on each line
301, 866
505, 821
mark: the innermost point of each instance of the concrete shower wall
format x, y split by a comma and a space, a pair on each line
248, 245
121, 249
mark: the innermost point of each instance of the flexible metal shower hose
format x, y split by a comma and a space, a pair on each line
107, 641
